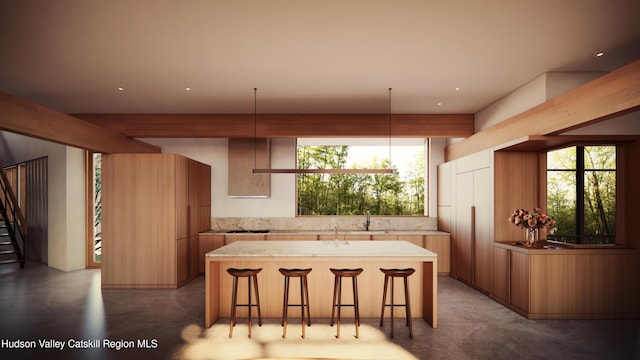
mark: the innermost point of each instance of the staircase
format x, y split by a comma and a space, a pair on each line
12, 225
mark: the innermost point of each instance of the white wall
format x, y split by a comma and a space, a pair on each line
624, 125
282, 202
535, 92
66, 195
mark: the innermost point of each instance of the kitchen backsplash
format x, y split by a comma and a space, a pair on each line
325, 223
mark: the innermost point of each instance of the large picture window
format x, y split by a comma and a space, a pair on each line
400, 193
581, 194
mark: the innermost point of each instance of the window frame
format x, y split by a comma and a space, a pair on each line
580, 171
358, 142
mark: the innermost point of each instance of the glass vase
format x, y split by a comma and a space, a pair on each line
532, 235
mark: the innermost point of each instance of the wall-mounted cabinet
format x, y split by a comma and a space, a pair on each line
154, 206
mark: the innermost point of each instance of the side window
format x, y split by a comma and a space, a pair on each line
581, 194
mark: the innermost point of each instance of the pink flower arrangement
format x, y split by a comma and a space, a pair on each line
533, 220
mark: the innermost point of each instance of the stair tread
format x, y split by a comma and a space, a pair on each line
9, 261
7, 252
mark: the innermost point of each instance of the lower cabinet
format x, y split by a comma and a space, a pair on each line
567, 283
207, 243
182, 268
441, 245
511, 279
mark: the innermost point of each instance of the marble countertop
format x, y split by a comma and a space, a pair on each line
332, 232
319, 249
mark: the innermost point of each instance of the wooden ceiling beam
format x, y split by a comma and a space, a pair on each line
284, 125
26, 118
610, 95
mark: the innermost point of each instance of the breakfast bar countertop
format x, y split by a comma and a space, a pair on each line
328, 232
321, 256
319, 249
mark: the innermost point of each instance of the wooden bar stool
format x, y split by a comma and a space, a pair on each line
304, 297
337, 295
394, 273
250, 274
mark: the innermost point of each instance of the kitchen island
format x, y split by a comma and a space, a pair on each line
321, 256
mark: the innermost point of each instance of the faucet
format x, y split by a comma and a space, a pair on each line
337, 240
368, 222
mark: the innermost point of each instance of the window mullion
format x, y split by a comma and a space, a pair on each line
580, 194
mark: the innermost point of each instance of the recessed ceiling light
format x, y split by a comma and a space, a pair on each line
439, 104
600, 54
188, 88
457, 89
120, 89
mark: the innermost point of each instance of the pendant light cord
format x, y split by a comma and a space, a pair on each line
389, 127
255, 127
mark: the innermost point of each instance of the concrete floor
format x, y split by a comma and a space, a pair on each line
40, 303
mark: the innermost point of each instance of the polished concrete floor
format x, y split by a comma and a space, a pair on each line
40, 305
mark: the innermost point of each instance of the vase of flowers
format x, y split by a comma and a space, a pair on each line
532, 222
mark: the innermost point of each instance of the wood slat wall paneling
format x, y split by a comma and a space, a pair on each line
36, 214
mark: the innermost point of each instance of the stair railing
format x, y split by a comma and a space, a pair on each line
12, 207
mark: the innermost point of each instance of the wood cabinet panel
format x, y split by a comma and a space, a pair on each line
385, 237
138, 226
228, 239
145, 226
501, 275
463, 240
441, 245
193, 256
204, 218
193, 197
182, 197
415, 239
204, 176
182, 268
207, 243
519, 280
584, 284
482, 241
514, 171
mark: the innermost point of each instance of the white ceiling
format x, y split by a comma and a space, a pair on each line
304, 56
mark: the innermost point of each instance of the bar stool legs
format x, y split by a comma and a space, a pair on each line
304, 297
251, 275
337, 296
393, 273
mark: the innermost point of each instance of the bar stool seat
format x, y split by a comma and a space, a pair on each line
251, 275
304, 297
337, 295
392, 274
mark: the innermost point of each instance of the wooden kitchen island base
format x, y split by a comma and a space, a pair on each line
321, 256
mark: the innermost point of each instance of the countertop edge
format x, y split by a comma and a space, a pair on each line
327, 232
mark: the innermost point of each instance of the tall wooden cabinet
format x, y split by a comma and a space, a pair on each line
153, 207
468, 209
